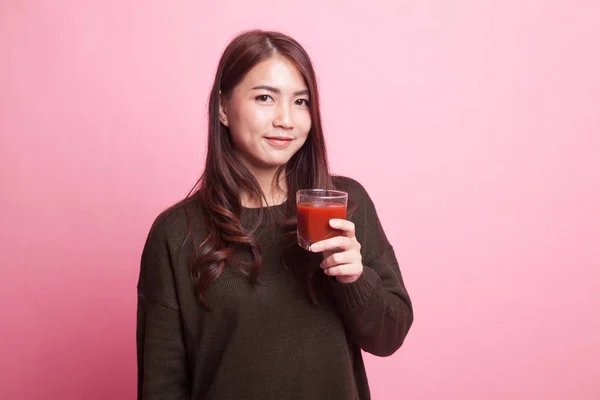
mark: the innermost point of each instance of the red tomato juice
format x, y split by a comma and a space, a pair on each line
313, 220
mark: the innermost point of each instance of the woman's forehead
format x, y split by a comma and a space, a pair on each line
276, 72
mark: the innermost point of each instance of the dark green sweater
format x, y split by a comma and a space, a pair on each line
264, 341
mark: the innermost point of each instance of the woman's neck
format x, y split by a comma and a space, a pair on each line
275, 191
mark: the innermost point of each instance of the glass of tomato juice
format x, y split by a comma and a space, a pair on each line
315, 208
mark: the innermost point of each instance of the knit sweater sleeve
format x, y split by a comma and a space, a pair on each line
161, 355
376, 308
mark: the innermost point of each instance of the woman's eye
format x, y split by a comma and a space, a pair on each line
264, 98
302, 102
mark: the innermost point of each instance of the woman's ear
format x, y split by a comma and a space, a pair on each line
223, 110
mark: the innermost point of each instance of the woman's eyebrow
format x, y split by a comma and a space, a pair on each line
277, 91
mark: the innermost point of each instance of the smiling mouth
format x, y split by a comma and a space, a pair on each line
279, 142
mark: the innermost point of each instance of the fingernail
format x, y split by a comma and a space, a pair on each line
315, 248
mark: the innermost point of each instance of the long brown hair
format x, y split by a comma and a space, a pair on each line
225, 176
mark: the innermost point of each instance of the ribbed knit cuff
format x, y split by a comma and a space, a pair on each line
356, 294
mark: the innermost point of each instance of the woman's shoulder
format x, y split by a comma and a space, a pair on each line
174, 221
352, 186
359, 200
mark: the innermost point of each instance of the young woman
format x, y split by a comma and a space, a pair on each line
229, 305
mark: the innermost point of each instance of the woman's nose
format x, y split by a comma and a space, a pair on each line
283, 117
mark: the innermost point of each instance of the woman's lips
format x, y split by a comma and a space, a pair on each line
279, 143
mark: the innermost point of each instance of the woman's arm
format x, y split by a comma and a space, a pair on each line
369, 288
161, 353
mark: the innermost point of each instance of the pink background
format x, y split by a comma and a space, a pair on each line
475, 126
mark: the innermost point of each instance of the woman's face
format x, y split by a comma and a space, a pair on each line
267, 114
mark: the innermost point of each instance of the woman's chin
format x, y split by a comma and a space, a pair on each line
276, 162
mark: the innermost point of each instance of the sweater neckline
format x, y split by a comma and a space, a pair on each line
271, 207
